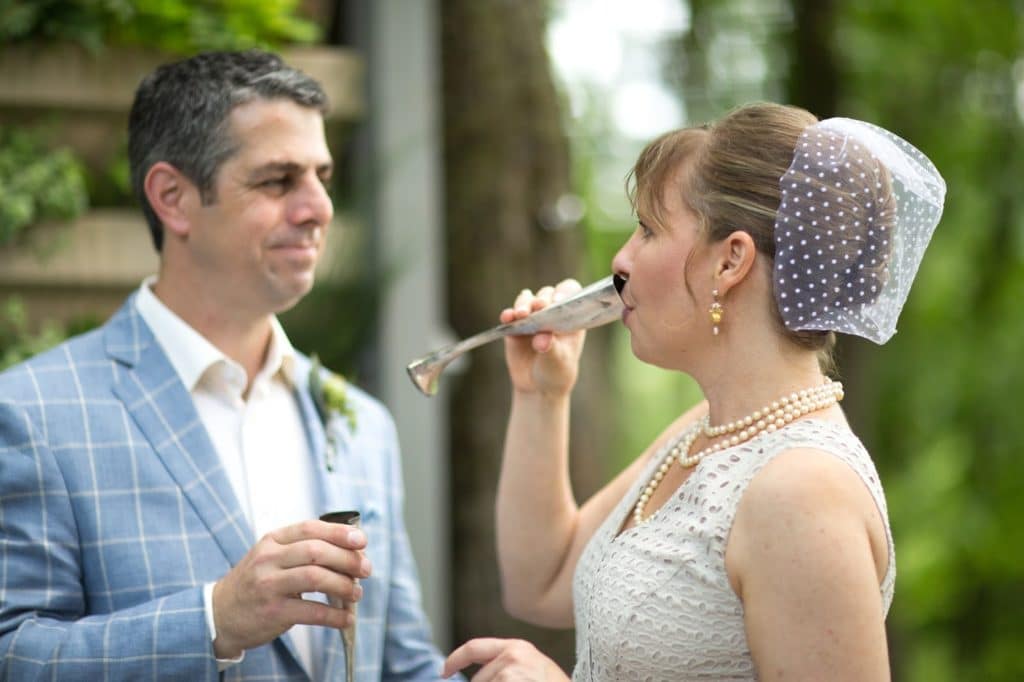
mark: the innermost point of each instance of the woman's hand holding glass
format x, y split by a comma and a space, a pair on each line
543, 363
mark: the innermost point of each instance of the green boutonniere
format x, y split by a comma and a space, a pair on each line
330, 395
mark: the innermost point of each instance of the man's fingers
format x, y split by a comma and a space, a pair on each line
318, 579
320, 553
308, 612
481, 650
339, 534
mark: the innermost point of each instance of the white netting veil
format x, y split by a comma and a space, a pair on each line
859, 205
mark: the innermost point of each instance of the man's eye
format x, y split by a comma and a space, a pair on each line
276, 183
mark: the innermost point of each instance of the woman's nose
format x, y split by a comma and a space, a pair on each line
621, 261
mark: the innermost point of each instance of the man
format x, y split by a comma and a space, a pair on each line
161, 477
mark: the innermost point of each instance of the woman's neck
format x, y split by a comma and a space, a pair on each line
739, 383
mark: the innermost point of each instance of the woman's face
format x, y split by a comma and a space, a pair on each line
661, 313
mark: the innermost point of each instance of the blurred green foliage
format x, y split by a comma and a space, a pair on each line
337, 321
17, 341
36, 183
944, 423
176, 26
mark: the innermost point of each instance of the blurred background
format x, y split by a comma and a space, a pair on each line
483, 147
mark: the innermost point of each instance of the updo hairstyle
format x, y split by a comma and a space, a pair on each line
728, 174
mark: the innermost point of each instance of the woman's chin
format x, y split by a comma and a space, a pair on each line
639, 352
649, 356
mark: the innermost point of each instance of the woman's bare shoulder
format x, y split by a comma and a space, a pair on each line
803, 503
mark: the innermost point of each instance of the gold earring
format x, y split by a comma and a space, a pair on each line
715, 311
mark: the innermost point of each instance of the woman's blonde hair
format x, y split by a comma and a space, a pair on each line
728, 174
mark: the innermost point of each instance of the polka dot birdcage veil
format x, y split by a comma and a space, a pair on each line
859, 206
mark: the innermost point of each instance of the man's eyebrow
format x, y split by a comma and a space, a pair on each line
275, 167
287, 167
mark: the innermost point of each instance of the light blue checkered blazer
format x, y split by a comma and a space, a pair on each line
115, 510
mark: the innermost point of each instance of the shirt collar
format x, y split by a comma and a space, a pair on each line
191, 354
280, 355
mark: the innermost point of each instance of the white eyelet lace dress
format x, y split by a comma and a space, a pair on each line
654, 603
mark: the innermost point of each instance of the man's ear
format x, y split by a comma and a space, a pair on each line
169, 193
736, 257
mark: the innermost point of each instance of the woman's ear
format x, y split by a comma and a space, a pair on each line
736, 257
167, 190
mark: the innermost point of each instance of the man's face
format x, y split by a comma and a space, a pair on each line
256, 245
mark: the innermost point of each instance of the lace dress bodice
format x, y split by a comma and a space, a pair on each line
654, 602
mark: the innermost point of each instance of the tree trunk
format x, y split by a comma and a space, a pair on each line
813, 79
814, 83
506, 164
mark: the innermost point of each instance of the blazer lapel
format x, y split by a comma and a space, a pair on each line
163, 410
335, 492
162, 407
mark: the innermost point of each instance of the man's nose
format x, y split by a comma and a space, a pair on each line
312, 203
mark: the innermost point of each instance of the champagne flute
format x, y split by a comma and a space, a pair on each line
592, 306
348, 633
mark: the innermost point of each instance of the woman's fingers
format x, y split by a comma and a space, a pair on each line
481, 650
505, 659
565, 289
545, 360
527, 302
543, 298
523, 304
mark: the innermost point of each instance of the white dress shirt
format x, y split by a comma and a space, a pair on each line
260, 438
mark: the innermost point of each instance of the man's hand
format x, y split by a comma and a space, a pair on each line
503, 659
261, 597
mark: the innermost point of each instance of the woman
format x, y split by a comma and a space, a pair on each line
750, 540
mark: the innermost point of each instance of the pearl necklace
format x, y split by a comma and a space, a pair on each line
776, 412
769, 419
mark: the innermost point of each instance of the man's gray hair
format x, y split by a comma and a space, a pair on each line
181, 113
